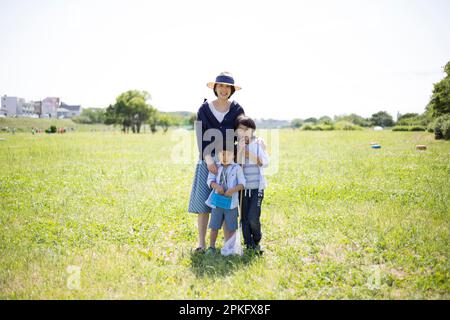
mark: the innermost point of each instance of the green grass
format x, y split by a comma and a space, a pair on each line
26, 124
340, 220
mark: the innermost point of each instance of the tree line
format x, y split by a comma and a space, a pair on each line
132, 111
435, 118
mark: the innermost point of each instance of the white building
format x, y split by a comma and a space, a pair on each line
70, 111
12, 106
28, 109
50, 107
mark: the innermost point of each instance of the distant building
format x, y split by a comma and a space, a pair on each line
37, 107
50, 107
28, 109
69, 111
63, 113
12, 106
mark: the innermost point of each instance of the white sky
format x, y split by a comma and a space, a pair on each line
292, 58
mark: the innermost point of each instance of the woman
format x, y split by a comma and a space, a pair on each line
213, 118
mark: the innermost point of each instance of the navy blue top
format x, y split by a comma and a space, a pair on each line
209, 121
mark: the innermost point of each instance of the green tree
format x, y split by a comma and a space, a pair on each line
165, 121
296, 123
353, 118
131, 110
412, 119
311, 120
382, 119
91, 115
440, 99
192, 120
406, 116
325, 120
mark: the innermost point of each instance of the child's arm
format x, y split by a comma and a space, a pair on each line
253, 158
211, 182
261, 159
230, 191
217, 187
241, 154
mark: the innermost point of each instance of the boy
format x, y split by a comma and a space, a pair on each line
253, 157
228, 181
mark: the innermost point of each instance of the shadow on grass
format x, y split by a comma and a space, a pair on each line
216, 265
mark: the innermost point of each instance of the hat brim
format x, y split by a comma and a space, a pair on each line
212, 84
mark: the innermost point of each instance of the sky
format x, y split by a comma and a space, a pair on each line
293, 59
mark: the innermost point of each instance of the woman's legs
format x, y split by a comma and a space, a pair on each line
202, 222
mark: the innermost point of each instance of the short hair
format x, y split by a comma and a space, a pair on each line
233, 90
246, 122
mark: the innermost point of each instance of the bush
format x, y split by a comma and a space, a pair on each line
341, 125
441, 127
417, 128
52, 129
346, 125
446, 129
400, 128
409, 128
413, 119
327, 127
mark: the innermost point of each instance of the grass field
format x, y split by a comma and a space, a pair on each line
340, 220
26, 124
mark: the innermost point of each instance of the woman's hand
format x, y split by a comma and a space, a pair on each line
229, 193
211, 164
212, 168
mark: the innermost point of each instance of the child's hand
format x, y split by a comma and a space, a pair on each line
241, 144
219, 190
229, 193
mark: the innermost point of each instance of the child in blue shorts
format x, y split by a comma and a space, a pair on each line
228, 181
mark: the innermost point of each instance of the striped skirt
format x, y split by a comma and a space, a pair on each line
200, 190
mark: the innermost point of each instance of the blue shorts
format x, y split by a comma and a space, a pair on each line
218, 215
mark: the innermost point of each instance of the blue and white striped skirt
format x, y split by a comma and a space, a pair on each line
200, 190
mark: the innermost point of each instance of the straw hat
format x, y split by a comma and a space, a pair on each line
224, 78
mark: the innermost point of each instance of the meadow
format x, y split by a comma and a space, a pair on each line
103, 215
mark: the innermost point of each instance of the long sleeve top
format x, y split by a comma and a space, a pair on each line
206, 140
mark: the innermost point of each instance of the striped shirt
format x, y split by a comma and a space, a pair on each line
251, 173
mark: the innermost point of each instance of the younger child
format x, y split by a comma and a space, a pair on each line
253, 157
228, 181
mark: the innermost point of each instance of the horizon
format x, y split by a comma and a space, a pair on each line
294, 59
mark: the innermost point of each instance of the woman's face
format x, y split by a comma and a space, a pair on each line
223, 91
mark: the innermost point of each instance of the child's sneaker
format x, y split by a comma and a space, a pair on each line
259, 250
210, 251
